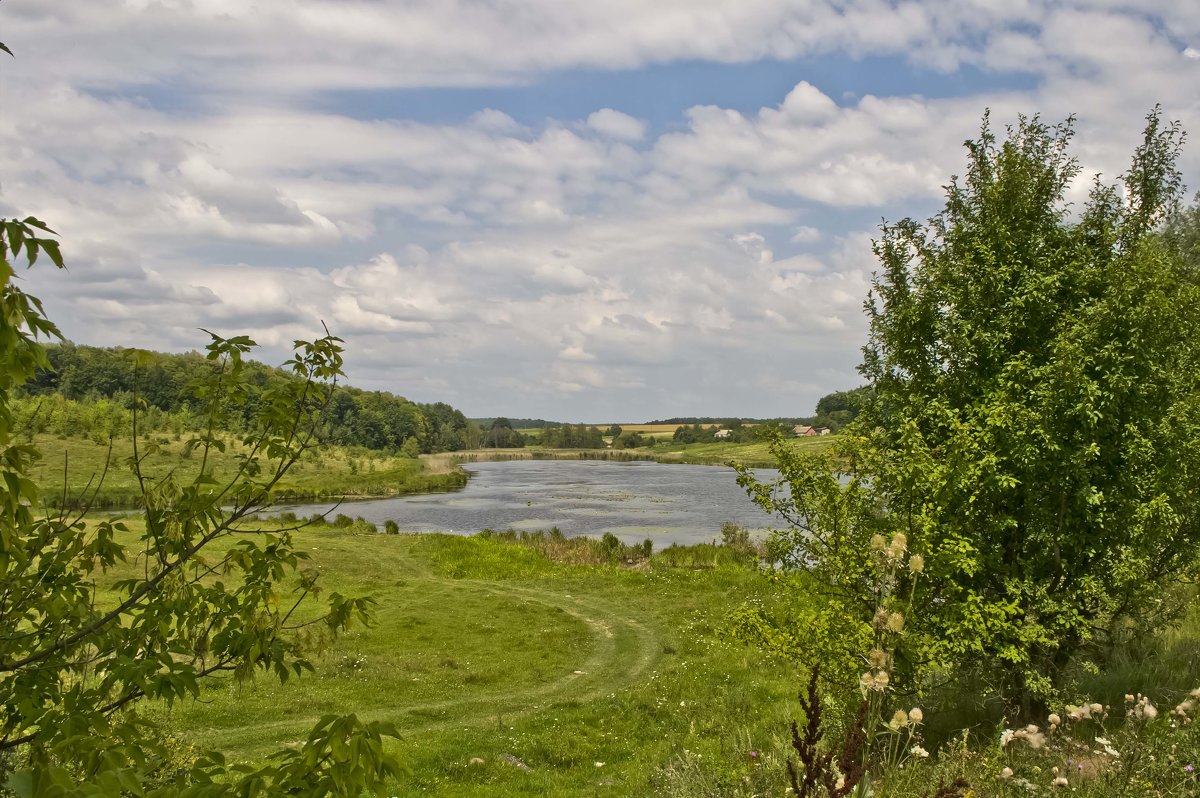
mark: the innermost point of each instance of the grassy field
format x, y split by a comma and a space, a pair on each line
540, 668
334, 471
562, 680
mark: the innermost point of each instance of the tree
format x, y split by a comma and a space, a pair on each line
207, 596
1031, 429
1182, 234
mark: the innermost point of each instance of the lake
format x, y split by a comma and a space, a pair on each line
637, 500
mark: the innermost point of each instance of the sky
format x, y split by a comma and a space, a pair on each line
568, 209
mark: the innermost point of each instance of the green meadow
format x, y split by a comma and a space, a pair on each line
532, 665
508, 673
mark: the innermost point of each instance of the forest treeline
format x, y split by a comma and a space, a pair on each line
89, 391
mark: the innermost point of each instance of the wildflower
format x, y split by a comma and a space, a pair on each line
1035, 739
599, 764
916, 564
878, 658
1189, 769
1108, 749
878, 543
915, 715
1195, 693
919, 752
1097, 709
877, 681
1006, 737
1006, 773
1143, 709
1061, 781
899, 719
1054, 719
898, 546
895, 622
880, 621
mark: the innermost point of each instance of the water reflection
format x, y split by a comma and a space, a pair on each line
634, 501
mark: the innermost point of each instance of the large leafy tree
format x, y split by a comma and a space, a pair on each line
1032, 428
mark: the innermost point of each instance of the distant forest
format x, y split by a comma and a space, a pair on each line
89, 389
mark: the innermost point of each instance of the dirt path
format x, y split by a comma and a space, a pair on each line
623, 649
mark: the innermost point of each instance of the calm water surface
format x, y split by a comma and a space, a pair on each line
634, 501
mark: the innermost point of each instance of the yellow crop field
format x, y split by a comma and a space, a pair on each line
648, 428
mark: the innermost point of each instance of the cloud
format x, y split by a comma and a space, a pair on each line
616, 125
806, 235
206, 167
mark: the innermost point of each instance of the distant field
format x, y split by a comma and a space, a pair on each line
756, 454
655, 430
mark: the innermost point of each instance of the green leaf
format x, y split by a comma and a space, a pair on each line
50, 247
20, 781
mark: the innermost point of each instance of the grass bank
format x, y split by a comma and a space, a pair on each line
74, 467
756, 454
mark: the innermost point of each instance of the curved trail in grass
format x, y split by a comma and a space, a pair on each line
622, 650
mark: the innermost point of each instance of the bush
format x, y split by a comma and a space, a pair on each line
1030, 431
